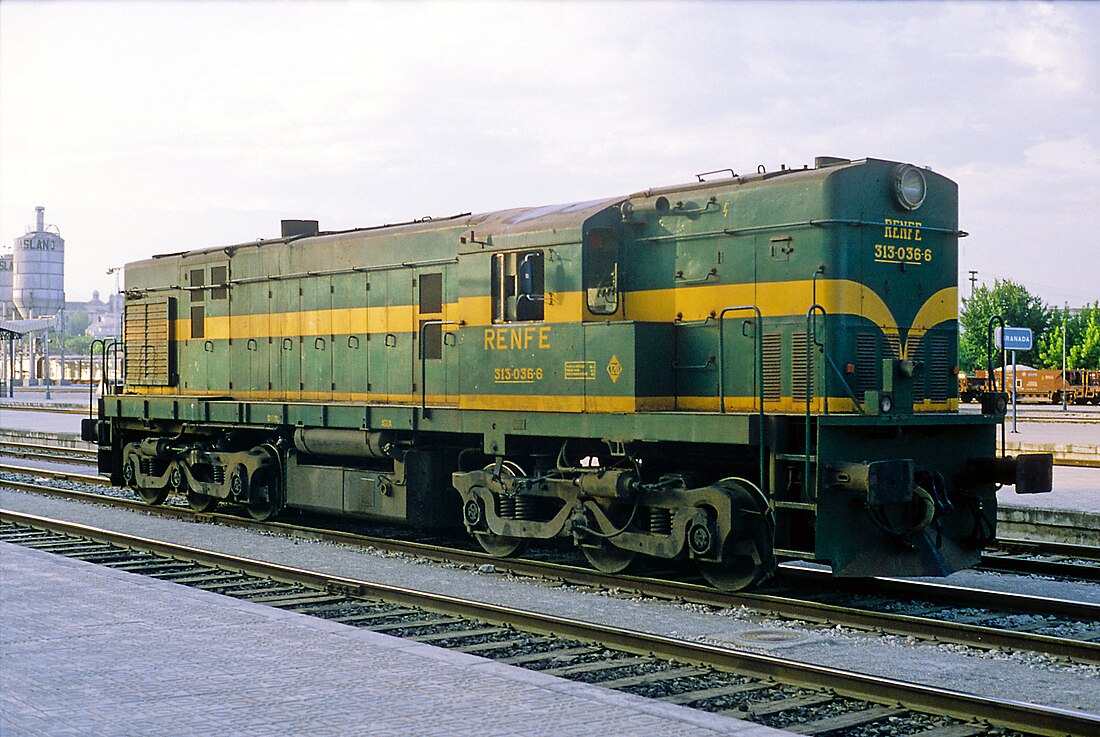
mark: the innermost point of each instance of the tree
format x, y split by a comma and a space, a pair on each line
1019, 308
1082, 330
76, 322
78, 345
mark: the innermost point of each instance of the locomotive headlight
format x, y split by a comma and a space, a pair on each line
909, 186
885, 404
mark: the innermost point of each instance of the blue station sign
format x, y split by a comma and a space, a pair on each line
1015, 339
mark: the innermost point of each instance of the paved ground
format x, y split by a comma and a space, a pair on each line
91, 651
50, 422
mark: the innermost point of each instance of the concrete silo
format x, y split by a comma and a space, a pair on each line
6, 307
38, 279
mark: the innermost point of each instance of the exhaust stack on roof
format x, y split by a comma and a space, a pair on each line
298, 228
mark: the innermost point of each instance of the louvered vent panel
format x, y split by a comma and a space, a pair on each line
935, 373
916, 353
146, 333
773, 366
867, 364
798, 366
892, 349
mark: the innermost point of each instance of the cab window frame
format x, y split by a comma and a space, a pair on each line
601, 276
518, 286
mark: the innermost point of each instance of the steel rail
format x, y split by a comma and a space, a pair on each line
1040, 566
768, 604
1044, 547
59, 475
71, 410
955, 595
78, 456
1010, 714
71, 450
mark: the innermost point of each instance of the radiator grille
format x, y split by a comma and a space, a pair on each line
146, 334
773, 366
868, 364
798, 366
916, 353
935, 373
892, 348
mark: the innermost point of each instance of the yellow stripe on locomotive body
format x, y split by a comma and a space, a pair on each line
662, 305
775, 300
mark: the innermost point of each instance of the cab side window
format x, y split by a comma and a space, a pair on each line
518, 288
601, 271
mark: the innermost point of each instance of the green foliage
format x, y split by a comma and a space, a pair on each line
1019, 308
1082, 331
76, 322
77, 345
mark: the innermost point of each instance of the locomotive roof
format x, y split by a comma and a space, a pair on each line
560, 218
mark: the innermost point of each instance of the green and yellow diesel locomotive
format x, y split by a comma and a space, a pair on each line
730, 371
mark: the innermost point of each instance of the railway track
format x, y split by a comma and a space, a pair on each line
1044, 558
52, 409
1037, 557
78, 478
32, 451
991, 620
808, 699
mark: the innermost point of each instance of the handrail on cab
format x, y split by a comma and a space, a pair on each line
424, 362
759, 372
811, 341
91, 374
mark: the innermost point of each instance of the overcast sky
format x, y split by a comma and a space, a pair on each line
150, 127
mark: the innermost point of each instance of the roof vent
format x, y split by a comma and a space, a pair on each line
823, 161
299, 228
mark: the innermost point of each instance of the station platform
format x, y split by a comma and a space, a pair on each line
89, 650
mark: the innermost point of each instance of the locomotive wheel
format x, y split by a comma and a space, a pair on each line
262, 507
202, 502
153, 497
607, 558
736, 573
500, 546
263, 492
261, 511
748, 557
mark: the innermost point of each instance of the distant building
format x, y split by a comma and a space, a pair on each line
105, 317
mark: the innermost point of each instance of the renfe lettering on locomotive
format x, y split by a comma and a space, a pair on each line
902, 230
519, 338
